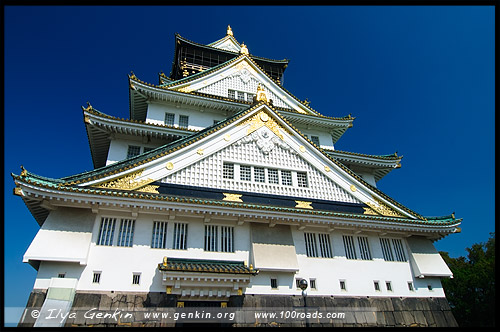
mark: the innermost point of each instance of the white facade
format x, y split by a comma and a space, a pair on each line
118, 264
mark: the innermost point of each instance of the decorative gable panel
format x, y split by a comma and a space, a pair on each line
263, 150
245, 79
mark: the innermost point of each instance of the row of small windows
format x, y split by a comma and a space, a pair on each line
170, 120
217, 238
221, 238
318, 245
263, 175
136, 278
135, 150
240, 95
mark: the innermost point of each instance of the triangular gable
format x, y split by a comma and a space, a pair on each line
240, 129
227, 43
241, 74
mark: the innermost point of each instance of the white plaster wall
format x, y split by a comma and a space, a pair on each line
199, 118
117, 264
118, 149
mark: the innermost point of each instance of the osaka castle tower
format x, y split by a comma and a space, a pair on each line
224, 190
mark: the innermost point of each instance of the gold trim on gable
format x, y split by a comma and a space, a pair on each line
232, 197
303, 205
127, 182
381, 209
262, 119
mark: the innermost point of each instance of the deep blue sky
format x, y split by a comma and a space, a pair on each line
419, 80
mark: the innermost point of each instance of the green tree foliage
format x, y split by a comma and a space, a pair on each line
471, 291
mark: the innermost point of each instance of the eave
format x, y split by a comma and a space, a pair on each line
380, 165
40, 196
101, 128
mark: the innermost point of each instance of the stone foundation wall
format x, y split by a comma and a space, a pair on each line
397, 312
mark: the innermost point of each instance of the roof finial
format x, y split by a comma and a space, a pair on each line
244, 49
23, 171
261, 93
229, 31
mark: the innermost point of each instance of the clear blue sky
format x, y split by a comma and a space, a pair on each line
419, 80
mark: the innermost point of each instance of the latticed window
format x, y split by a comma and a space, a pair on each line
228, 171
325, 248
311, 250
219, 238
259, 174
318, 247
169, 119
364, 248
106, 232
133, 151
183, 121
126, 234
272, 176
302, 179
392, 250
245, 173
159, 238
315, 140
180, 236
350, 250
96, 278
231, 94
136, 278
286, 178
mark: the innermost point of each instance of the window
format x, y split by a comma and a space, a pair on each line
392, 250
250, 96
241, 95
219, 238
364, 248
342, 285
126, 233
183, 121
325, 247
286, 178
159, 238
227, 239
388, 285
228, 171
133, 151
136, 278
259, 174
315, 140
231, 94
297, 282
61, 275
311, 245
302, 179
180, 236
312, 283
376, 285
106, 232
210, 238
410, 286
96, 278
169, 119
274, 283
350, 251
245, 173
272, 176
321, 248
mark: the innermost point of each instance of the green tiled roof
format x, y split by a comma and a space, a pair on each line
206, 266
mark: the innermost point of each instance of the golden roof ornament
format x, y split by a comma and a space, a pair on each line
244, 49
229, 31
23, 171
261, 94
